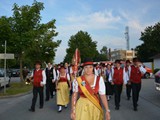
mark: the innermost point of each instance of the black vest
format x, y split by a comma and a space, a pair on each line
49, 75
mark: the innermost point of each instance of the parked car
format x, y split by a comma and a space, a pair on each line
148, 73
157, 80
4, 82
15, 72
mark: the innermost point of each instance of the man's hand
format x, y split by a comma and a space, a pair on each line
53, 80
42, 84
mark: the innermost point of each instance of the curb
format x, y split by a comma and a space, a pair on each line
17, 95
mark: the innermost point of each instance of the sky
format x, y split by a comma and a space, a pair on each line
104, 20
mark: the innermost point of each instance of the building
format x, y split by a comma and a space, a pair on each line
122, 54
156, 61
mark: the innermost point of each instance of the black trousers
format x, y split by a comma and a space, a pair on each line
109, 88
128, 90
49, 90
36, 91
136, 87
117, 94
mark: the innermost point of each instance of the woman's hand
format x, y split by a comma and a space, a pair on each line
57, 88
73, 116
108, 117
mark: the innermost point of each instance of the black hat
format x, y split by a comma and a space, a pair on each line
118, 61
87, 61
136, 60
128, 61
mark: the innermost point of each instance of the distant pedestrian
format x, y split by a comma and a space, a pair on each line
109, 86
136, 74
25, 73
39, 80
118, 78
63, 86
128, 84
50, 81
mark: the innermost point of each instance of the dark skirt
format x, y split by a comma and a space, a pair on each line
109, 88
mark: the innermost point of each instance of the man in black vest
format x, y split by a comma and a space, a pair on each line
50, 81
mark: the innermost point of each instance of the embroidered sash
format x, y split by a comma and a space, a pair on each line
89, 93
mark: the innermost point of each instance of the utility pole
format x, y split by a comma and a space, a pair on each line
5, 66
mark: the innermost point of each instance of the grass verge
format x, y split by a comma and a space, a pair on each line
16, 88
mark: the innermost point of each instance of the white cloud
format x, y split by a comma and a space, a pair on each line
112, 42
96, 20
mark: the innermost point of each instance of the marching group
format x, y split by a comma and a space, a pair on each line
91, 86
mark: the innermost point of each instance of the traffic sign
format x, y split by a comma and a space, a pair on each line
8, 56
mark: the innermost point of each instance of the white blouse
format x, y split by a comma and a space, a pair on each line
102, 88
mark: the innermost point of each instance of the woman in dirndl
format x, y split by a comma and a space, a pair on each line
91, 89
63, 88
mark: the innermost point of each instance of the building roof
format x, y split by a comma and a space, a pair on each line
156, 56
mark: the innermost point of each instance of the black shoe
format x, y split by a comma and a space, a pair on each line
65, 106
31, 110
40, 107
116, 108
135, 109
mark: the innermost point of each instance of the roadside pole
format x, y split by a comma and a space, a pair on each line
5, 66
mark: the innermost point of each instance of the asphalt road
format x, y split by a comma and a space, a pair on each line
149, 107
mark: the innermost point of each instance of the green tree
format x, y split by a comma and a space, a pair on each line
29, 39
83, 41
151, 42
102, 56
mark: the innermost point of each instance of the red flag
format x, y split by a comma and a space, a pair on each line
76, 60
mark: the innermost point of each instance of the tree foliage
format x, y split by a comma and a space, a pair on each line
26, 36
83, 41
151, 43
102, 56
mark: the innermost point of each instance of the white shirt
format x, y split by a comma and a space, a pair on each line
43, 77
125, 78
102, 89
128, 73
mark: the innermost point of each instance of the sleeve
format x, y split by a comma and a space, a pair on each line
71, 71
142, 69
44, 77
95, 72
129, 71
111, 75
32, 74
57, 75
68, 77
75, 85
102, 88
125, 76
54, 75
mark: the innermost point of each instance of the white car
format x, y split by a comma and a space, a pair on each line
4, 82
157, 80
